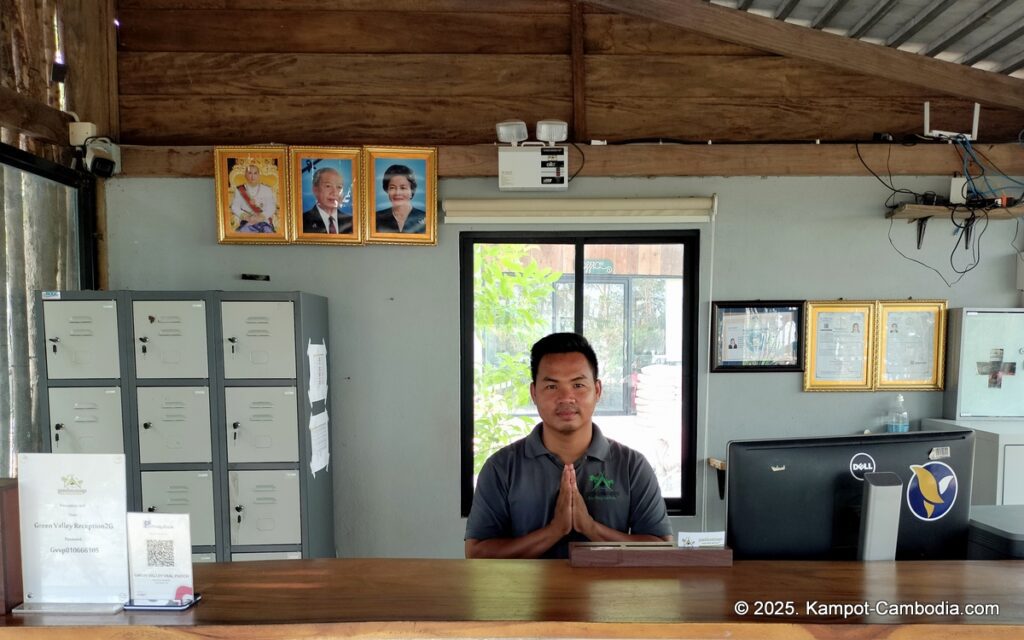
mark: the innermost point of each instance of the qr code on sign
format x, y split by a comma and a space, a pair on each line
160, 553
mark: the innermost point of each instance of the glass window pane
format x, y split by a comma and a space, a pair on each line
521, 292
633, 306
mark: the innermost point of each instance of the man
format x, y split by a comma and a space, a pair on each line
326, 215
565, 481
254, 204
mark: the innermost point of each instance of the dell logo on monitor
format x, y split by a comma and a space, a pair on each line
860, 464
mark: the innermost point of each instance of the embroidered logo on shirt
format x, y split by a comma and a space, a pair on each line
598, 481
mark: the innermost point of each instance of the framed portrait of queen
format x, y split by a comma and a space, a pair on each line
401, 195
252, 191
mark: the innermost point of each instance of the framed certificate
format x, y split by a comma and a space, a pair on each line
911, 345
840, 341
756, 336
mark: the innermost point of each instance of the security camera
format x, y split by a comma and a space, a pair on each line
102, 157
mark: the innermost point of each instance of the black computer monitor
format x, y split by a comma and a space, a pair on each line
800, 498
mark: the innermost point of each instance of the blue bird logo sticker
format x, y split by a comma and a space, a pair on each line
932, 490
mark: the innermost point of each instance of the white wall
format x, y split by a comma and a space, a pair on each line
394, 313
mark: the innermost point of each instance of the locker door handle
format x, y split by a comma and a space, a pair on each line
233, 341
239, 509
57, 427
234, 430
54, 341
147, 425
143, 340
151, 509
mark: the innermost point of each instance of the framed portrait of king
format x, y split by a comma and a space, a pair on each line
401, 193
326, 197
252, 191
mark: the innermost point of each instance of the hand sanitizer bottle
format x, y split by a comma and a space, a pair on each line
898, 420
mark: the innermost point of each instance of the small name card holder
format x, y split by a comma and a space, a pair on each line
645, 554
74, 555
160, 560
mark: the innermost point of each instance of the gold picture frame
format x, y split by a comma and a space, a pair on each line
839, 338
911, 338
325, 179
252, 192
400, 195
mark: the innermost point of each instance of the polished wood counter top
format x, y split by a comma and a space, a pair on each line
387, 598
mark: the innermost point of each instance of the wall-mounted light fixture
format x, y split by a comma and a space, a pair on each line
533, 166
512, 131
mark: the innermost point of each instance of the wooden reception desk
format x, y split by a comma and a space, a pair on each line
389, 598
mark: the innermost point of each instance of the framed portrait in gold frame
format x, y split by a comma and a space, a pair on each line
326, 195
401, 195
252, 192
840, 345
911, 345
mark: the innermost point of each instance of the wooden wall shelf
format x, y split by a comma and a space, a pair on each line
913, 212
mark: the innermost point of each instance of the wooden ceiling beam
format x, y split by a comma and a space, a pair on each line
461, 161
579, 74
795, 41
33, 118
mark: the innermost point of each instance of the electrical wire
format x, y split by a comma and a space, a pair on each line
583, 161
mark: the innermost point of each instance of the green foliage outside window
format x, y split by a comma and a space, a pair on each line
511, 310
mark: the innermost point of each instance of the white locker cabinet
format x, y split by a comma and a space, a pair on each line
170, 339
261, 424
81, 339
998, 458
188, 492
985, 372
266, 555
174, 424
85, 420
207, 395
258, 340
264, 507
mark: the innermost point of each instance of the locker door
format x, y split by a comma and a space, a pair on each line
174, 424
188, 492
262, 424
85, 420
1013, 474
81, 339
259, 339
264, 507
170, 338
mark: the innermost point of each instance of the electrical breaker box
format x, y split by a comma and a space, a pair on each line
533, 168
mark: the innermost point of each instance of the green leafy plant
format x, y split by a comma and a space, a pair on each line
511, 309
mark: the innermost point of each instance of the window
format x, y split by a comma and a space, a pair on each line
633, 295
49, 243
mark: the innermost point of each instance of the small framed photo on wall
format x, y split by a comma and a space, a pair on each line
326, 195
911, 345
401, 194
840, 345
252, 192
757, 336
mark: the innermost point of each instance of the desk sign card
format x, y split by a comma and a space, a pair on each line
160, 560
701, 539
73, 547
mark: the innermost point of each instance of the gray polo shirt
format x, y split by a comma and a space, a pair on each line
518, 487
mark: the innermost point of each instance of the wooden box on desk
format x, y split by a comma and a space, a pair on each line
10, 545
645, 554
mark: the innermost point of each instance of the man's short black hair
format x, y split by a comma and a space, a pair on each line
561, 343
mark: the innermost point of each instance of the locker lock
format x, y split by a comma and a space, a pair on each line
234, 430
151, 509
54, 341
233, 341
144, 340
57, 427
147, 425
238, 509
